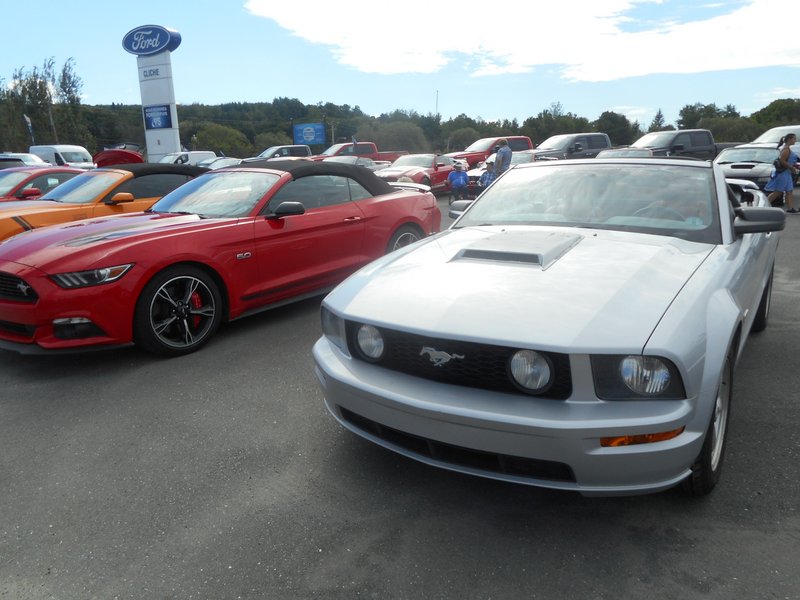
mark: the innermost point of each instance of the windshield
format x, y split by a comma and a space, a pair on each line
11, 179
334, 149
774, 135
414, 160
756, 155
84, 188
73, 157
657, 199
481, 145
218, 194
556, 142
656, 139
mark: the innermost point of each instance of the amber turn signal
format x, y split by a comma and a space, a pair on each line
645, 438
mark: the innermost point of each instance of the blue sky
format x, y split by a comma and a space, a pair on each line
633, 57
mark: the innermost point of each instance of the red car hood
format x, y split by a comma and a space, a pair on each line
39, 247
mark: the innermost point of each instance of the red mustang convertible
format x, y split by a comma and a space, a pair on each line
225, 245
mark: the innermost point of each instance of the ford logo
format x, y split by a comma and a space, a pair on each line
150, 39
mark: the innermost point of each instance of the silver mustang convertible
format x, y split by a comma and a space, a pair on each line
576, 328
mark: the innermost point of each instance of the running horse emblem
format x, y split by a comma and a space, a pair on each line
439, 357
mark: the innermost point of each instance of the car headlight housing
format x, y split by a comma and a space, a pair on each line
81, 279
633, 376
531, 371
369, 341
333, 329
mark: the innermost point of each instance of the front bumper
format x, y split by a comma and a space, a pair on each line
515, 438
32, 327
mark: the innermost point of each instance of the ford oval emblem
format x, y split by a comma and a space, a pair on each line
150, 39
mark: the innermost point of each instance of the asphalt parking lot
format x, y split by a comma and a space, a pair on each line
220, 475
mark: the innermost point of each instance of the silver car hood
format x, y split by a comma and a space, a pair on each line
578, 289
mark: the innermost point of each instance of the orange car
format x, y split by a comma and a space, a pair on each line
96, 193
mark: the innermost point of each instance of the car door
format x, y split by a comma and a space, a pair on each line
312, 251
439, 173
146, 191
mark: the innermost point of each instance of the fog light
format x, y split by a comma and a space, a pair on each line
74, 328
530, 370
370, 342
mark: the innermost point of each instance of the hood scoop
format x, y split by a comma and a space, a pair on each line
539, 248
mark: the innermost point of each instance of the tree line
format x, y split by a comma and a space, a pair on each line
44, 105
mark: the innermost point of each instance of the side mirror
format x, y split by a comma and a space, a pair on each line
287, 209
27, 193
677, 148
758, 219
120, 198
458, 207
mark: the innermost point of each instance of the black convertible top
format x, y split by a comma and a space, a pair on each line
139, 169
303, 168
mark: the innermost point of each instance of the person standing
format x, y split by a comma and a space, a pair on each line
781, 183
502, 160
458, 181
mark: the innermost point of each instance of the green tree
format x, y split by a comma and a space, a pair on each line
461, 138
659, 123
621, 131
270, 138
778, 112
690, 114
731, 129
223, 140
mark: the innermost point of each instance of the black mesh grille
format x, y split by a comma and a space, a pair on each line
472, 365
18, 329
458, 455
15, 288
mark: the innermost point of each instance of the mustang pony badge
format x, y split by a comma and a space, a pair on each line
439, 357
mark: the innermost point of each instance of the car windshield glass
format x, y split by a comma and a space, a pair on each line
556, 142
333, 149
481, 145
218, 194
654, 140
11, 179
84, 188
657, 199
414, 160
757, 155
74, 157
774, 135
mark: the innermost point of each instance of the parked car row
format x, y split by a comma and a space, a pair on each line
430, 347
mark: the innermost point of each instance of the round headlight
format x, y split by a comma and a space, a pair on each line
370, 342
645, 375
530, 370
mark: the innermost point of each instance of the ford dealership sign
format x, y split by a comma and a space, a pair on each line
150, 39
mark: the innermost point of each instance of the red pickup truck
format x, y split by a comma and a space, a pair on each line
480, 150
368, 149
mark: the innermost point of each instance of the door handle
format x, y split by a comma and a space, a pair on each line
351, 219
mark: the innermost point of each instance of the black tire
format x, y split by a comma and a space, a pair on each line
405, 235
177, 312
707, 467
762, 314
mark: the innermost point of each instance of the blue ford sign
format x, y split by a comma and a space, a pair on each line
309, 133
150, 39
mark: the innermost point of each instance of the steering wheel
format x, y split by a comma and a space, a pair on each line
659, 212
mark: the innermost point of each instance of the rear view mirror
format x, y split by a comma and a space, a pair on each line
287, 209
31, 192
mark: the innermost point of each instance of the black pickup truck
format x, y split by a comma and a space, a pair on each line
692, 143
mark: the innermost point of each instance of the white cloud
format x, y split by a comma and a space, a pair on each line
590, 41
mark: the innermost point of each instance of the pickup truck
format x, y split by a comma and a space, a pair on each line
572, 145
367, 149
478, 151
690, 143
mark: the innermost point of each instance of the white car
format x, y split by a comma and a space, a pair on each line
576, 328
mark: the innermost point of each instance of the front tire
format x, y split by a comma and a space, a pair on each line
405, 235
707, 467
177, 312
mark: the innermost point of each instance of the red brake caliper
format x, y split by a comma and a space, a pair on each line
197, 302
